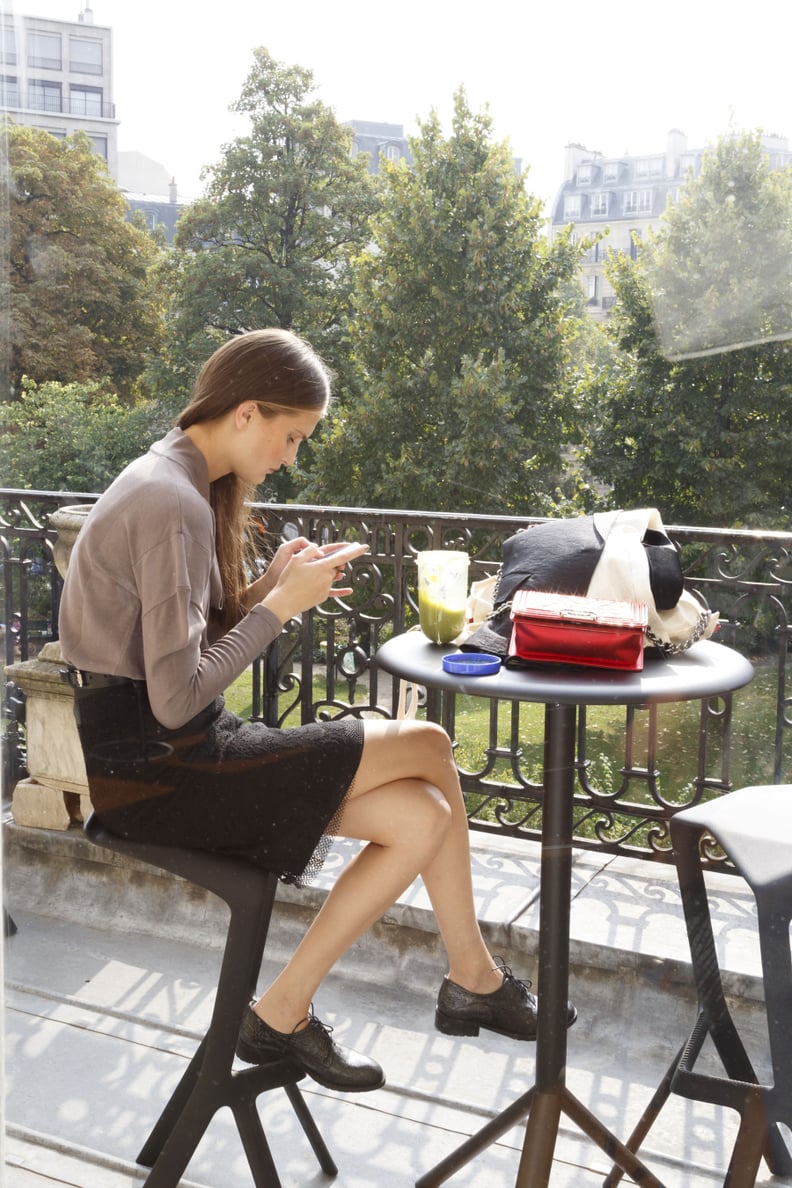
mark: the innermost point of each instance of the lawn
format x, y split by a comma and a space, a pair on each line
677, 743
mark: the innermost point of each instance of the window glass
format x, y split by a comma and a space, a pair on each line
7, 45
649, 167
44, 96
85, 101
9, 91
572, 206
599, 204
85, 55
44, 51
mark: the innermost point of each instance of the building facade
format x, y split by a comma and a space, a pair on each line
381, 141
624, 197
58, 76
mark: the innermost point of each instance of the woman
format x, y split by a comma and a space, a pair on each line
157, 620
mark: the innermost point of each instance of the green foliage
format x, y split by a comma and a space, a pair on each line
456, 396
81, 298
270, 243
704, 437
70, 437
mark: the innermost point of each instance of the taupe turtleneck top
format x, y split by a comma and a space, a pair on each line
142, 579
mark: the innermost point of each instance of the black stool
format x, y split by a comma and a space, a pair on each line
210, 1081
754, 827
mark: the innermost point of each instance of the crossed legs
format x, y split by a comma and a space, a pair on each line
407, 804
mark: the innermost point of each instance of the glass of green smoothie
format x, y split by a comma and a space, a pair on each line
442, 593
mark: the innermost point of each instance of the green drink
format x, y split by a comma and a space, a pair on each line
440, 623
442, 594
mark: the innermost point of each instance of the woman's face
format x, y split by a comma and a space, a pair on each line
267, 443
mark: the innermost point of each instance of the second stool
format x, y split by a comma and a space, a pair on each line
754, 828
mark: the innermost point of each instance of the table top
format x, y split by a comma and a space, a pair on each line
706, 669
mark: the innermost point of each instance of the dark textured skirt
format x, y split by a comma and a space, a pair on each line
217, 783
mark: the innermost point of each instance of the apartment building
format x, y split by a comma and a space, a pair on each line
625, 196
58, 76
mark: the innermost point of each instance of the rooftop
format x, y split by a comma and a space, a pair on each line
111, 974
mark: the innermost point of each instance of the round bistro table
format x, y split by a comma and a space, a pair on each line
706, 670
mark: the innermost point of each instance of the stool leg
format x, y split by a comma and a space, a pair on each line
178, 1148
254, 1140
706, 970
181, 1095
774, 921
749, 1144
306, 1120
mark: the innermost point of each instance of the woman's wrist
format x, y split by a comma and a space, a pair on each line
278, 602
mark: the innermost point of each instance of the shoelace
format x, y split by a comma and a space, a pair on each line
316, 1025
508, 977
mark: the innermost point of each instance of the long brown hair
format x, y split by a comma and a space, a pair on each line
281, 373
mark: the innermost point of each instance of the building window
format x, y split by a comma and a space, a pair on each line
45, 96
571, 206
99, 145
599, 204
611, 171
649, 167
44, 51
592, 289
85, 57
86, 101
9, 91
585, 175
638, 201
7, 46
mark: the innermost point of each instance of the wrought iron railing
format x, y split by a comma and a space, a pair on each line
635, 767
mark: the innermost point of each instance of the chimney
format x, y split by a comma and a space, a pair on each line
676, 145
173, 193
86, 17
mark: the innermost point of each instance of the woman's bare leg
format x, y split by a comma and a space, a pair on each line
414, 820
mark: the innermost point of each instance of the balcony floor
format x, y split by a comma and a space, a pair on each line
102, 1013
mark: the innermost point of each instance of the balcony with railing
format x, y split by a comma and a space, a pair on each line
51, 101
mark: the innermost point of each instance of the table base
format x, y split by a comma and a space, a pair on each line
544, 1112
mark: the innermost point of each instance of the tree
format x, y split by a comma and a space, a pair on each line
269, 244
705, 434
82, 303
70, 437
458, 338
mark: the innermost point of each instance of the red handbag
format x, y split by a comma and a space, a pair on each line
570, 629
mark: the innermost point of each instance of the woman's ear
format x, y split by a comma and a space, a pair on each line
244, 413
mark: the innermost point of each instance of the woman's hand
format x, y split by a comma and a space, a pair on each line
307, 576
258, 590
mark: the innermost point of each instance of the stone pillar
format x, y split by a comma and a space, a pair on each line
55, 794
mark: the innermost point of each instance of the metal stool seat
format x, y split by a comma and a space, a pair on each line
754, 827
210, 1081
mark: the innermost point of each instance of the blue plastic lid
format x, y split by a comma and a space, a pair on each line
471, 663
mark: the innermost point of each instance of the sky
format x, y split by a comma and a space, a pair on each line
614, 77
